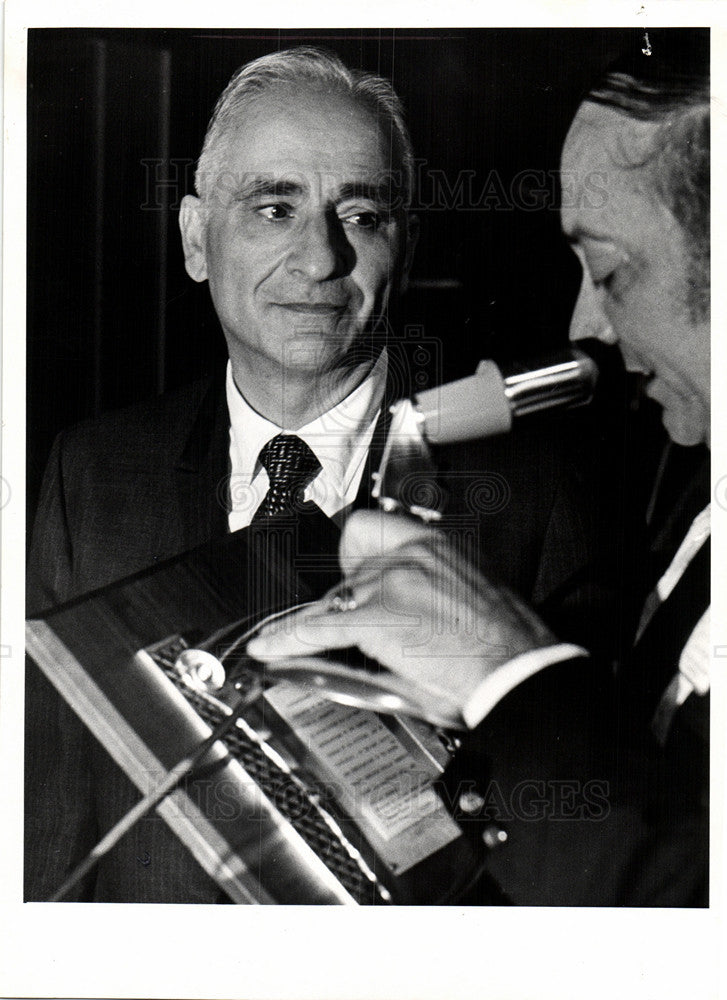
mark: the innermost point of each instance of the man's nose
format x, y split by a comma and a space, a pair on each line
589, 321
321, 251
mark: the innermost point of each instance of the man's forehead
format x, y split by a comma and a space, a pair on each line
305, 123
287, 144
287, 141
604, 166
607, 137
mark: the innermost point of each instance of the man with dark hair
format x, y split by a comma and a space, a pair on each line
585, 788
645, 253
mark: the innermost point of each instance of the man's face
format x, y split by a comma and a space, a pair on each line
296, 237
635, 266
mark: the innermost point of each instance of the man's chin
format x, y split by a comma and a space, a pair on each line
685, 429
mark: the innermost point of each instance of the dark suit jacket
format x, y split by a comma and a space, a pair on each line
596, 812
139, 486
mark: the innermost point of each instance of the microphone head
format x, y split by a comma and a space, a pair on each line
471, 407
484, 404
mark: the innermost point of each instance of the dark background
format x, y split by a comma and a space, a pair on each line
116, 119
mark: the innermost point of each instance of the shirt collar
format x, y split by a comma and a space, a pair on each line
339, 438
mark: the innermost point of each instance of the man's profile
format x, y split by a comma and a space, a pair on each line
640, 729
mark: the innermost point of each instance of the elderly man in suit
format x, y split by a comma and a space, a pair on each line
301, 231
300, 227
585, 788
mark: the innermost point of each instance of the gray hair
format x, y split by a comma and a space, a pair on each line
321, 70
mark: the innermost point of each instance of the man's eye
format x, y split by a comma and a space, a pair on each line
364, 220
605, 268
612, 276
603, 280
275, 213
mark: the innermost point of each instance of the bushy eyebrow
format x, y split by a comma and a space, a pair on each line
379, 193
269, 187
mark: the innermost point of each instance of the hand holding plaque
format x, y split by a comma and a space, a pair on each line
413, 603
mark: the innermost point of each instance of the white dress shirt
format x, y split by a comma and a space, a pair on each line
693, 673
339, 438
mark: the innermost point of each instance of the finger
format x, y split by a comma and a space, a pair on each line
361, 588
303, 635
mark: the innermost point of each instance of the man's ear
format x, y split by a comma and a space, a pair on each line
411, 239
193, 226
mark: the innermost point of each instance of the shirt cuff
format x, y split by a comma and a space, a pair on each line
512, 673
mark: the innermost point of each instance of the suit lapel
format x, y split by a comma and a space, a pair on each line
364, 500
655, 657
683, 492
397, 387
201, 473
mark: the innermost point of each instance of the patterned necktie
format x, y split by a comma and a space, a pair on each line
291, 466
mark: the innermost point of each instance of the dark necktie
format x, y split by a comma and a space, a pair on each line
291, 466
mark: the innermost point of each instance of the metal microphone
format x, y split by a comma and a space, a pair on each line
481, 405
488, 402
